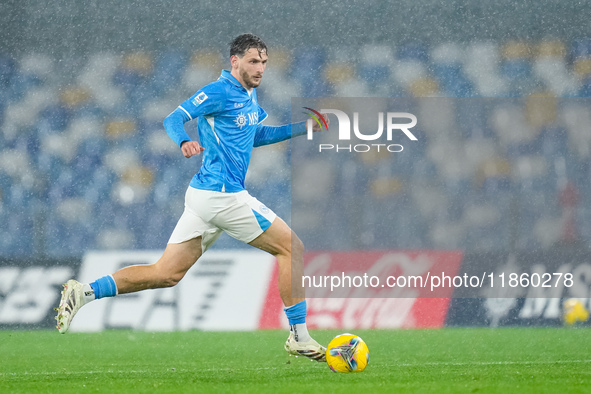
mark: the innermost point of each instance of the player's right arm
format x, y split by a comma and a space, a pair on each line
190, 148
206, 101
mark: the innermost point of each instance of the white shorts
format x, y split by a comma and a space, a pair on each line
208, 213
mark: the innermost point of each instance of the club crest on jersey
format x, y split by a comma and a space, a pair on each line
201, 97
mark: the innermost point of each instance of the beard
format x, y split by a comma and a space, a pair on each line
250, 81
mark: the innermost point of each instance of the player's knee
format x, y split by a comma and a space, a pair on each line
172, 280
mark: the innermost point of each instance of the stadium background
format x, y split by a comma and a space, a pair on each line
85, 164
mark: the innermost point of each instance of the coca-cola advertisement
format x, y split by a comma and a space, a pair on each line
371, 289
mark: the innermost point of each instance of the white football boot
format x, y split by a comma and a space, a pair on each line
72, 300
311, 349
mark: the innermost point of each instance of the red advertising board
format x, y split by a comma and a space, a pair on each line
348, 290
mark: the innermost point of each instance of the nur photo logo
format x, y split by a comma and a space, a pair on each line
317, 116
395, 123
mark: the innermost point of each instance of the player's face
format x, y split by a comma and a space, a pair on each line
250, 67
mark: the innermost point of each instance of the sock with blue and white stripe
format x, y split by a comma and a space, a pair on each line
296, 315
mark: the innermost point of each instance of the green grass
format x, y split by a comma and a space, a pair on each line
448, 360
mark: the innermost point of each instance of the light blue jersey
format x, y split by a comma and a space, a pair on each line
229, 122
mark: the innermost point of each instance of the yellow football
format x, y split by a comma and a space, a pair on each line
573, 311
347, 353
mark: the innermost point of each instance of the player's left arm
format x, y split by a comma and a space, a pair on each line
267, 135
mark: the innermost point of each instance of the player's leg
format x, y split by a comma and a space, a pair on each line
190, 238
280, 241
247, 219
284, 244
166, 272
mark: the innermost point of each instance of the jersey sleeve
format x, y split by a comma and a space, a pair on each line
267, 135
262, 115
206, 101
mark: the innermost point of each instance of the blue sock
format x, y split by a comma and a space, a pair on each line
296, 314
104, 287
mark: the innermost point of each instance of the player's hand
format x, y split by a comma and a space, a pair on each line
316, 126
190, 148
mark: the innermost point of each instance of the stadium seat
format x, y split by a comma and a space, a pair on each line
94, 134
581, 49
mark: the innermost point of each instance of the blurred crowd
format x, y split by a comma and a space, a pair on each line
85, 163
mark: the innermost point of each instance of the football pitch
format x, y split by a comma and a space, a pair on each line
526, 360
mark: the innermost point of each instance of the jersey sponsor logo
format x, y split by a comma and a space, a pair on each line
201, 97
238, 105
240, 120
251, 118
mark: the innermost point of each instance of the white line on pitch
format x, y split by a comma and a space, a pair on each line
431, 364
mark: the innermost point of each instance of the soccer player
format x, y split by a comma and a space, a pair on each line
229, 121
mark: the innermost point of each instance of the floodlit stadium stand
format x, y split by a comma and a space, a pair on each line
85, 162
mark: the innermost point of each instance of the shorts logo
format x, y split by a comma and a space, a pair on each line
201, 97
264, 209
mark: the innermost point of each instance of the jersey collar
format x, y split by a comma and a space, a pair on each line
228, 75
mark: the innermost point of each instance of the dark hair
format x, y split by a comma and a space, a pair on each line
241, 44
